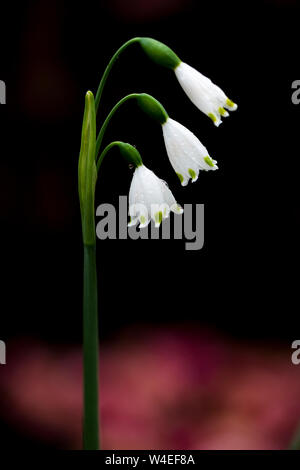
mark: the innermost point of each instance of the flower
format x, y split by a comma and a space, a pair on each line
186, 153
150, 197
207, 96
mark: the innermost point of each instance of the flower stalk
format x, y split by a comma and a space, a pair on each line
109, 67
107, 120
87, 176
149, 196
130, 153
146, 102
90, 351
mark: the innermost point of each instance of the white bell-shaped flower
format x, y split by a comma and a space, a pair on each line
186, 153
207, 96
150, 197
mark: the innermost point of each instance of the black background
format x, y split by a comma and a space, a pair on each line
244, 280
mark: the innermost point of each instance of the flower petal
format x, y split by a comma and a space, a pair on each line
186, 153
207, 96
149, 197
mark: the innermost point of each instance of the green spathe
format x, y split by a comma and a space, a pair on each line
160, 53
131, 154
152, 107
128, 151
87, 172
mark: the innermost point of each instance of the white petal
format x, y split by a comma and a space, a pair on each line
149, 197
167, 194
144, 221
230, 105
207, 96
174, 142
176, 208
133, 221
186, 153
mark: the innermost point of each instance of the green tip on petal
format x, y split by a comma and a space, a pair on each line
230, 103
209, 161
180, 177
178, 209
222, 111
192, 174
142, 219
158, 217
212, 117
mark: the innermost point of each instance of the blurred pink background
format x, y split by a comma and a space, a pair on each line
168, 389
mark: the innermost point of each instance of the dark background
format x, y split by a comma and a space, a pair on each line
243, 282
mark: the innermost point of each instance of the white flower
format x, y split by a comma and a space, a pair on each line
150, 197
207, 96
186, 153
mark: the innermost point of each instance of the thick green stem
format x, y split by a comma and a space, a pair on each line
109, 67
295, 444
90, 351
105, 124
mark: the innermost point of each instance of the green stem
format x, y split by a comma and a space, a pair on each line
109, 67
295, 444
129, 152
102, 155
104, 126
90, 351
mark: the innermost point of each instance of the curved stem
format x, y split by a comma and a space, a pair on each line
104, 126
109, 67
128, 151
100, 159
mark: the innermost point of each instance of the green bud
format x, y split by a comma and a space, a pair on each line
160, 53
87, 173
152, 107
130, 153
